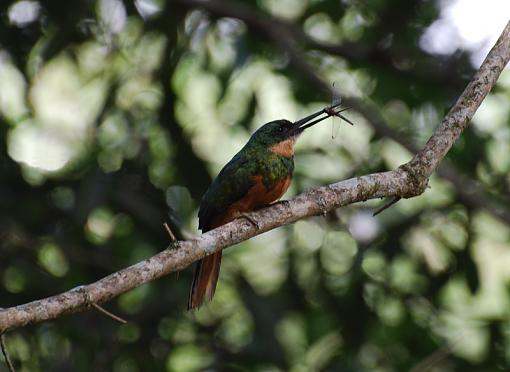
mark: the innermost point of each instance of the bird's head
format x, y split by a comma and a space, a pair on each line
279, 136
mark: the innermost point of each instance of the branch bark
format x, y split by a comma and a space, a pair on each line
407, 181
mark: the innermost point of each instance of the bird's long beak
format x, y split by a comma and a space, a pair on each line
306, 122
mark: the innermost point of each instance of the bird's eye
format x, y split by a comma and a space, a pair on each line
280, 129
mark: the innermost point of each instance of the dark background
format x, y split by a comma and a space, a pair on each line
116, 115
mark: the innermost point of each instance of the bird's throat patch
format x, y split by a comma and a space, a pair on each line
284, 148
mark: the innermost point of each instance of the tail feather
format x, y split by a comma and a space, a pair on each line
204, 280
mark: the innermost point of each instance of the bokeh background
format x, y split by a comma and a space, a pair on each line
115, 115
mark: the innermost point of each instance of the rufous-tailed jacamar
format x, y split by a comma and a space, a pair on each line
256, 176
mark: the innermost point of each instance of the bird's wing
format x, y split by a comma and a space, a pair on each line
232, 183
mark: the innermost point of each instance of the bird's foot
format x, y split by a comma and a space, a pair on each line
283, 202
250, 219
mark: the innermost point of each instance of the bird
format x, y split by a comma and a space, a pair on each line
258, 175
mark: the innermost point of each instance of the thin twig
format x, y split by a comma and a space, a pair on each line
6, 354
387, 205
170, 233
172, 239
438, 355
107, 313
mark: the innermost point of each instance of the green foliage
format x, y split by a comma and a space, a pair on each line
116, 115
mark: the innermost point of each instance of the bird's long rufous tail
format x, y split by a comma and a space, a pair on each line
204, 280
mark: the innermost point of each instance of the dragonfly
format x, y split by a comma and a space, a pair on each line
336, 100
331, 111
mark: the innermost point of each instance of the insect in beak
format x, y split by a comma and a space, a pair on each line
306, 122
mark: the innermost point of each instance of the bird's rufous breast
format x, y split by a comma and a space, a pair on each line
257, 197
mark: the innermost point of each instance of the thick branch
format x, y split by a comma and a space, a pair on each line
409, 180
314, 202
461, 113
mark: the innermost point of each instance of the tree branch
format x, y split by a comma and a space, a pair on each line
277, 29
407, 181
285, 36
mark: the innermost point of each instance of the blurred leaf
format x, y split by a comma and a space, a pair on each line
53, 260
180, 202
188, 358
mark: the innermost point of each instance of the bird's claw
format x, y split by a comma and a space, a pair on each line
283, 202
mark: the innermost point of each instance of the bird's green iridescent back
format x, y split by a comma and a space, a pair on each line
237, 178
